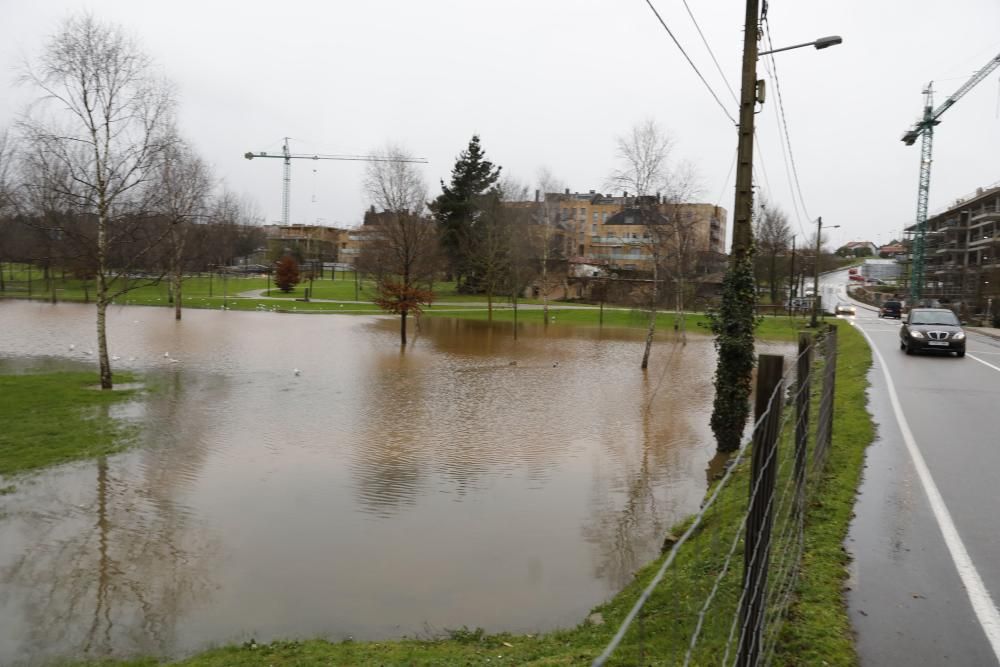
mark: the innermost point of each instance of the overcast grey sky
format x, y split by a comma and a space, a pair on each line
551, 83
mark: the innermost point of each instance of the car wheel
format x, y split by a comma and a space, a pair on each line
902, 345
909, 350
960, 353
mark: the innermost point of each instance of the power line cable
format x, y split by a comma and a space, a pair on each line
784, 121
710, 52
693, 66
788, 169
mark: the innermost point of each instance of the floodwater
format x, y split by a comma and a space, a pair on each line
472, 480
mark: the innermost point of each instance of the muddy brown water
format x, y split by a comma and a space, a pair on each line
472, 480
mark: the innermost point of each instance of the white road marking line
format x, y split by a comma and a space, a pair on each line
984, 363
982, 604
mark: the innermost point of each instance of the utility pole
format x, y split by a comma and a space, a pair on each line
819, 241
791, 278
743, 207
734, 326
737, 311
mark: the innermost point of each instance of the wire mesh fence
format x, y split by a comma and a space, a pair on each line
722, 593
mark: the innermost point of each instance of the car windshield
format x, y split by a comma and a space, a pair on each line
944, 318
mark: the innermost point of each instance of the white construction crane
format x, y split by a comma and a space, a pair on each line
288, 156
924, 130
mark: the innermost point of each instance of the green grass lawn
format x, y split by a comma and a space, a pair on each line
780, 328
818, 631
52, 418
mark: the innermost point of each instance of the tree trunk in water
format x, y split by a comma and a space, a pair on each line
102, 338
652, 321
177, 251
515, 319
402, 328
489, 306
545, 286
177, 294
680, 309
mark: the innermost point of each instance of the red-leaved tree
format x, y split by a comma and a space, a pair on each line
286, 274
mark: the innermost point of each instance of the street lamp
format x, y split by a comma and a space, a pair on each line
819, 241
821, 43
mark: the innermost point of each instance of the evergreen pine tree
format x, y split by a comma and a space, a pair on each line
455, 209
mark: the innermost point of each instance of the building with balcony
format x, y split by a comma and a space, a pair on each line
961, 251
618, 232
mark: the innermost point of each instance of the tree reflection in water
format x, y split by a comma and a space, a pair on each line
650, 486
111, 569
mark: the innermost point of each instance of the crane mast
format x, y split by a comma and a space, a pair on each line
287, 156
924, 129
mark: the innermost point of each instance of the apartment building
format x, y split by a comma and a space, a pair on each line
313, 243
962, 244
615, 231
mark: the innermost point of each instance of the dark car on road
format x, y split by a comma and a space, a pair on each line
891, 309
932, 330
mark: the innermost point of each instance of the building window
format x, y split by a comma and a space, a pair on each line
594, 216
604, 217
593, 228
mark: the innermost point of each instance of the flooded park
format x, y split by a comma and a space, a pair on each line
469, 480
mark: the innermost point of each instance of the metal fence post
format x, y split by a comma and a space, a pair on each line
824, 422
830, 383
757, 544
803, 386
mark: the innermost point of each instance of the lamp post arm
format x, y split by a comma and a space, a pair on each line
821, 43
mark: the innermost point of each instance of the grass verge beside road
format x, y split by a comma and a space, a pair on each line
818, 630
52, 418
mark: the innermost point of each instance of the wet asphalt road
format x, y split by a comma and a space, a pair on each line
907, 601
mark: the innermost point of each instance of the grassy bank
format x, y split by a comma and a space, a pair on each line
52, 418
209, 290
817, 632
780, 328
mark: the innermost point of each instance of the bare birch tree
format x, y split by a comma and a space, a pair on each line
547, 216
185, 186
402, 253
488, 246
773, 236
6, 200
677, 240
644, 157
104, 117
